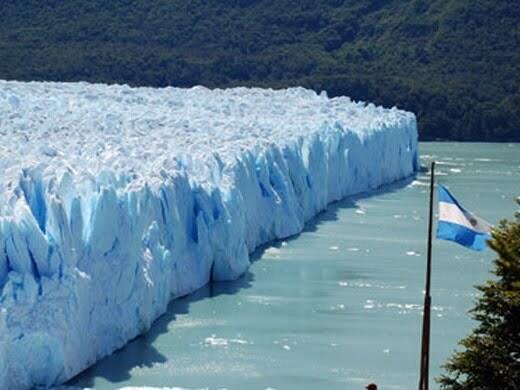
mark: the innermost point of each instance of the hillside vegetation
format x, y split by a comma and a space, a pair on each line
455, 63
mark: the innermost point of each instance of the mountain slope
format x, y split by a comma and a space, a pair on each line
454, 63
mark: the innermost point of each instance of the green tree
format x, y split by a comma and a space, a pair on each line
491, 355
454, 63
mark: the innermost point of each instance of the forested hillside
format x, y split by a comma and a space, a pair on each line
455, 63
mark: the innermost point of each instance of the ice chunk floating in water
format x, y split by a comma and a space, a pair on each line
114, 200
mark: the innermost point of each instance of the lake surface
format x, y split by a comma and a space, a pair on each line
339, 305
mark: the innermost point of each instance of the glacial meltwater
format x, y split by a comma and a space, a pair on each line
338, 306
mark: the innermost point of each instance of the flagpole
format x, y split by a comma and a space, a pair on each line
425, 339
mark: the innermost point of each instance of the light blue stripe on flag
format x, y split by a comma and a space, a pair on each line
446, 197
459, 225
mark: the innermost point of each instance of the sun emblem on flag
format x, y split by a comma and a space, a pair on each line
473, 221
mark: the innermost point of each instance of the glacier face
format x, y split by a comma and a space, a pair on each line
114, 200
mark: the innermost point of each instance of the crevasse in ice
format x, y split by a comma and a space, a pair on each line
114, 200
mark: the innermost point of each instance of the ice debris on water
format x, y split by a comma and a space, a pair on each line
114, 200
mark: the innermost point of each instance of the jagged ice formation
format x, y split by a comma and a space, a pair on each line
114, 200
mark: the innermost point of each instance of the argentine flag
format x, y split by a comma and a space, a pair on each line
459, 225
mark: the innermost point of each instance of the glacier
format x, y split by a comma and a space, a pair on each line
115, 200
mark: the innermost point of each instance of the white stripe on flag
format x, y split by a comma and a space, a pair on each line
449, 212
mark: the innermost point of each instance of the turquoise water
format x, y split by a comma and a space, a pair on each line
338, 306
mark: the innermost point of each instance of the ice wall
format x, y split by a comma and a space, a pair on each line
115, 200
3, 352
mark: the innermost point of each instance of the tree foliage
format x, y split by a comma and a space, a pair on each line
455, 63
491, 355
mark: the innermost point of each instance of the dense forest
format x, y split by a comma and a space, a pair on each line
455, 63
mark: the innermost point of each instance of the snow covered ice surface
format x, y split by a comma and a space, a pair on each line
115, 200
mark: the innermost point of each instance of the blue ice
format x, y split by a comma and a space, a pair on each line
115, 200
